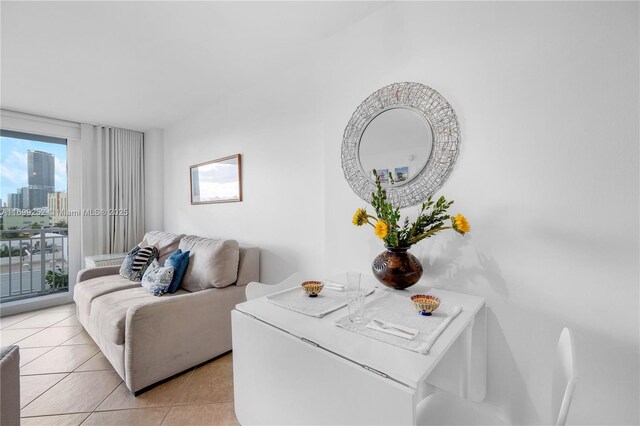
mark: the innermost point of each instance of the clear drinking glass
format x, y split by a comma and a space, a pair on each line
355, 298
355, 304
353, 281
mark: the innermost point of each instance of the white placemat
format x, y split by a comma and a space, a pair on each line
297, 300
400, 310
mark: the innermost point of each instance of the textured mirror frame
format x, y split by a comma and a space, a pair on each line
446, 131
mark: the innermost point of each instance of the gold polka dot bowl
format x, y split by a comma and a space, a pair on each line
425, 304
312, 288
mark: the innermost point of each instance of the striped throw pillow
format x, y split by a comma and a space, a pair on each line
141, 262
144, 257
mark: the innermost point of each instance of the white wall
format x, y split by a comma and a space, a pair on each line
282, 176
547, 97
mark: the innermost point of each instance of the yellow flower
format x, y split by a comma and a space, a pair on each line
460, 224
360, 218
382, 229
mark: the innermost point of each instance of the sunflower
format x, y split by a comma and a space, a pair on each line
382, 229
360, 217
460, 224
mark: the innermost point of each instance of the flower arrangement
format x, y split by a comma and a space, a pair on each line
431, 219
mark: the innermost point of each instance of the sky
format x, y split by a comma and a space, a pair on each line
13, 163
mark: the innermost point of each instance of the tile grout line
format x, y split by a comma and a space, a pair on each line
17, 322
53, 415
54, 347
45, 352
26, 337
41, 393
61, 414
186, 383
34, 399
76, 369
64, 319
41, 329
165, 416
9, 327
128, 409
106, 397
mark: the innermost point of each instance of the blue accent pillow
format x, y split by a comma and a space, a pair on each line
156, 278
179, 261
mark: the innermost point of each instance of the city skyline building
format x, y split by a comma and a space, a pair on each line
41, 179
57, 205
14, 200
41, 166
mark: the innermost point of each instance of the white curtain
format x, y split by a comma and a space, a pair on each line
112, 189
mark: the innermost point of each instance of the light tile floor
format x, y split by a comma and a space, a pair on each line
65, 380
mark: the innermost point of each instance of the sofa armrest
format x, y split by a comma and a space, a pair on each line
248, 265
10, 385
87, 274
176, 333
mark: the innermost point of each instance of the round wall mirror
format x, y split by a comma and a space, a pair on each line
398, 141
408, 131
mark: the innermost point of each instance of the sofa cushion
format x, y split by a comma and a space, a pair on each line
86, 291
109, 312
165, 242
156, 279
179, 260
212, 263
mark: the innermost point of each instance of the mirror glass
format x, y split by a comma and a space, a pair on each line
397, 141
217, 181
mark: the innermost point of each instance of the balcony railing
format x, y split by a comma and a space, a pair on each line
33, 262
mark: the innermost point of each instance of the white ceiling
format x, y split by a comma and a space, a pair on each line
143, 65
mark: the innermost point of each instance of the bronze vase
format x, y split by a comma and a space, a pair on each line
397, 268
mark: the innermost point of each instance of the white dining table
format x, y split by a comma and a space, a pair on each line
290, 368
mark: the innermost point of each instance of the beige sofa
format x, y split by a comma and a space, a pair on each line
148, 338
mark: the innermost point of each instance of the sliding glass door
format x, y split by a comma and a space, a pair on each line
34, 252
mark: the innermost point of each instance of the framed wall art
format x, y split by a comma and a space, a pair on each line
217, 181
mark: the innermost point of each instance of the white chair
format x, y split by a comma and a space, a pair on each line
448, 409
256, 289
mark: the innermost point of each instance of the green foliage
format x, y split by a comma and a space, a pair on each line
10, 235
57, 279
15, 251
430, 220
386, 212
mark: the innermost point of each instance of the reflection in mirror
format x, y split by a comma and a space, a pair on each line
217, 181
397, 141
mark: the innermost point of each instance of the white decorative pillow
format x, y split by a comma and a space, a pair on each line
166, 243
212, 263
157, 279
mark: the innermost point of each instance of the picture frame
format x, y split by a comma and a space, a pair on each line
402, 174
383, 174
217, 181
